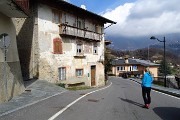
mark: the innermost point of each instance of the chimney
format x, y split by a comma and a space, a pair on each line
126, 59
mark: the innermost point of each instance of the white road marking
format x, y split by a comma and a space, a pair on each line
64, 109
30, 104
159, 91
167, 94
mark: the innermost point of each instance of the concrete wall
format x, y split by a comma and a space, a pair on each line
10, 72
49, 62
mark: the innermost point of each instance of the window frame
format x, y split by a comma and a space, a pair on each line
95, 48
60, 75
79, 50
81, 70
120, 68
56, 16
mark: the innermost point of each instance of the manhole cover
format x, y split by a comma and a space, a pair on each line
93, 100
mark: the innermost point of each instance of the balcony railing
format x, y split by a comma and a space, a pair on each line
77, 32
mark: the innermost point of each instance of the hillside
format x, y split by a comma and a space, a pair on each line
153, 54
173, 48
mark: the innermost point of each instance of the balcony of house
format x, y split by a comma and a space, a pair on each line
67, 30
81, 56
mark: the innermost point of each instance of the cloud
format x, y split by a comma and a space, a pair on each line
144, 18
83, 7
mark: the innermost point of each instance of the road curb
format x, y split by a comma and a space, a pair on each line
162, 89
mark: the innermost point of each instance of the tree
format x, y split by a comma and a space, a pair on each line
161, 68
107, 63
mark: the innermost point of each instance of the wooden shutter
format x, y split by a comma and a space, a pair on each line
57, 45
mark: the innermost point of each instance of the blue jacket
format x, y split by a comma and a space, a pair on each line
147, 80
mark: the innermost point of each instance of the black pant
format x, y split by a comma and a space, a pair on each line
146, 95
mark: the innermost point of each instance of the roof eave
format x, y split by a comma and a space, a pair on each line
77, 9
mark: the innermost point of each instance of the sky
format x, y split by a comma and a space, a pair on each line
137, 20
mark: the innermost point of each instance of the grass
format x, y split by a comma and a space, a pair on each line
61, 85
78, 88
158, 83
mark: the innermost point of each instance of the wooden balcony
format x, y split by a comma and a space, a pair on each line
67, 30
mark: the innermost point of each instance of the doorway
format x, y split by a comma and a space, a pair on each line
93, 75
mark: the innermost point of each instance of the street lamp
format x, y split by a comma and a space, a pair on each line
164, 41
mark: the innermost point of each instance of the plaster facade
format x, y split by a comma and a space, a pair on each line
50, 63
11, 83
40, 31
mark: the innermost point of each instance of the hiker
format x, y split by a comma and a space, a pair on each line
146, 87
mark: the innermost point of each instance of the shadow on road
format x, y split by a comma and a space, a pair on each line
132, 102
168, 113
29, 82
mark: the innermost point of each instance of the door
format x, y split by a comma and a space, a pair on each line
93, 75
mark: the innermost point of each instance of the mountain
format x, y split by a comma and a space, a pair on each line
173, 48
133, 43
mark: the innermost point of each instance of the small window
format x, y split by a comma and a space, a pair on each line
117, 68
56, 16
95, 49
79, 24
79, 48
57, 45
62, 73
96, 28
79, 72
134, 68
121, 68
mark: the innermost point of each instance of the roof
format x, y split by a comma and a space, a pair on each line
133, 62
107, 42
12, 9
68, 7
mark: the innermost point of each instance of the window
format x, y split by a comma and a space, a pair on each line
79, 48
95, 49
121, 68
57, 45
96, 29
134, 68
56, 16
62, 73
80, 23
79, 72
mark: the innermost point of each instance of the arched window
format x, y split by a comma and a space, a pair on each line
57, 45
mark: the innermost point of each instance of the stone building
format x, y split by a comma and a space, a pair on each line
61, 42
11, 82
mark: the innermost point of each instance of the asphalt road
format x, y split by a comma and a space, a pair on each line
120, 100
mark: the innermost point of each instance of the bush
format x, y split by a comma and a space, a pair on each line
111, 74
61, 85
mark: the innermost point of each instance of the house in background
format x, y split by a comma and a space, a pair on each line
61, 42
134, 67
11, 82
